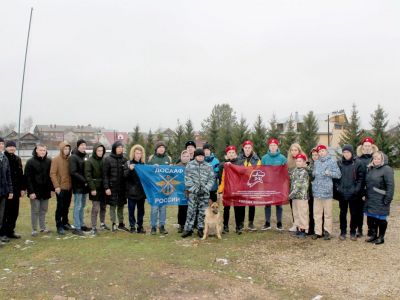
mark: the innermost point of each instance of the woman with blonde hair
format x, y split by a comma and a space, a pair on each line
294, 150
134, 189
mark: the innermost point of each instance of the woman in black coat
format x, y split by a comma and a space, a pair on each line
380, 190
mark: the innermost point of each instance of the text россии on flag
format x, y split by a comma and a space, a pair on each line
257, 185
163, 185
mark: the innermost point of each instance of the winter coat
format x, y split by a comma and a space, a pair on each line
113, 178
94, 174
134, 188
37, 172
17, 174
380, 188
6, 186
299, 182
349, 186
199, 177
273, 159
157, 159
77, 171
325, 169
253, 160
214, 162
59, 171
221, 175
365, 159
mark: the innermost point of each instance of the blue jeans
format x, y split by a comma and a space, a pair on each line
158, 213
79, 206
279, 211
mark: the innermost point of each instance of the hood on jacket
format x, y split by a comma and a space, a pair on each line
98, 145
385, 160
61, 146
132, 152
360, 153
115, 146
34, 154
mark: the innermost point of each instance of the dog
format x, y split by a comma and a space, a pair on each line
212, 221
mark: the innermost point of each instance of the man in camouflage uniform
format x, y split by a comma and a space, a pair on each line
199, 179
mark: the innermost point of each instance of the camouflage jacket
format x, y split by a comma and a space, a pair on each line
199, 177
299, 181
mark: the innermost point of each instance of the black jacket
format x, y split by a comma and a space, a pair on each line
5, 177
113, 178
17, 174
37, 172
349, 186
94, 174
134, 189
77, 171
380, 188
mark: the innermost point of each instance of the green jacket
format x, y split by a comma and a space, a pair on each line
156, 159
299, 181
94, 174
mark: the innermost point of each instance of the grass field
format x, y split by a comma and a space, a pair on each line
259, 265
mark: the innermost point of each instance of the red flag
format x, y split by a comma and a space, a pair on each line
258, 185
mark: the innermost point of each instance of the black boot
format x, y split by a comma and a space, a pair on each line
382, 231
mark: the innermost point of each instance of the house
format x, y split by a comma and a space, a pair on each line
329, 132
108, 137
28, 141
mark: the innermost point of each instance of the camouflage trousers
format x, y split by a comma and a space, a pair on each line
197, 206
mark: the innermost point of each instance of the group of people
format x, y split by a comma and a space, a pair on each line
362, 182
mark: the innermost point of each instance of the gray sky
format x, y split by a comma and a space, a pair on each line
119, 63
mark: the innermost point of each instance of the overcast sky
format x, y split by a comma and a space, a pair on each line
119, 63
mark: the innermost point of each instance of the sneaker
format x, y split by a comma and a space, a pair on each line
226, 229
132, 230
93, 231
359, 233
380, 240
327, 236
61, 231
371, 239
185, 234
353, 237
180, 229
153, 230
141, 230
342, 237
267, 226
239, 230
316, 236
200, 233
14, 236
251, 227
45, 230
67, 227
279, 226
293, 228
163, 230
301, 234
121, 226
85, 228
103, 226
4, 239
114, 227
78, 232
34, 233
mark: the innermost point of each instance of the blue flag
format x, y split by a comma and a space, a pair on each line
163, 185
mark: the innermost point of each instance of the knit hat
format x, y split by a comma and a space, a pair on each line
367, 140
11, 144
321, 147
273, 141
198, 152
190, 143
159, 144
247, 143
1, 140
303, 156
79, 142
348, 147
207, 146
229, 148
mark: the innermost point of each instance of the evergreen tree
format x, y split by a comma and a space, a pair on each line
259, 136
241, 132
149, 144
188, 131
136, 138
382, 138
273, 131
352, 132
308, 133
290, 136
396, 147
178, 143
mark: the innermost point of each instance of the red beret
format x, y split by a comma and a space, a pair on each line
320, 147
229, 148
367, 140
300, 155
273, 141
247, 143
